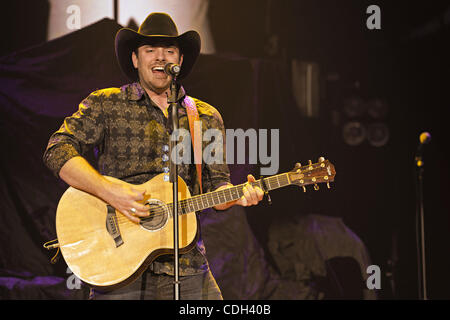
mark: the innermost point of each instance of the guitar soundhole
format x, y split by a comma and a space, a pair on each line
159, 214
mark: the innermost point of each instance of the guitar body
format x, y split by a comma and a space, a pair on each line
105, 249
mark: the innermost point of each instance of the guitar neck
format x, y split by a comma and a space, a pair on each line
215, 198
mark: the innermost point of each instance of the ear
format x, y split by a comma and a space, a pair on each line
181, 60
134, 58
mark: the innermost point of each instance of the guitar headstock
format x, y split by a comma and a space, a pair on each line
313, 173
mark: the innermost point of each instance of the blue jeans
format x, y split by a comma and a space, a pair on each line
151, 286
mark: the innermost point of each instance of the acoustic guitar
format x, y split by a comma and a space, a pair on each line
107, 251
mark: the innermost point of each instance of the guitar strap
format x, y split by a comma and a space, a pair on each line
195, 129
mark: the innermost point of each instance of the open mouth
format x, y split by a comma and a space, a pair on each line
158, 70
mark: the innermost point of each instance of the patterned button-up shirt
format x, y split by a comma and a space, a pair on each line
130, 136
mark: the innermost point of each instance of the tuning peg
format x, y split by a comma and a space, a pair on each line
328, 183
266, 190
309, 162
298, 165
269, 200
304, 188
316, 187
321, 159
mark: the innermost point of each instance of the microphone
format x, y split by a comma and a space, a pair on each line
172, 69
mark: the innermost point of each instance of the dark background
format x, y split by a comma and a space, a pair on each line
405, 63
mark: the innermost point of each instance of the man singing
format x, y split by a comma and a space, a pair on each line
129, 128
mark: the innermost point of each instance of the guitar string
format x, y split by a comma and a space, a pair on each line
213, 196
199, 199
186, 208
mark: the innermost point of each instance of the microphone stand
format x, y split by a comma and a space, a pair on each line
172, 100
420, 219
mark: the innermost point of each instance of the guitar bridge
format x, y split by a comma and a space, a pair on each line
112, 226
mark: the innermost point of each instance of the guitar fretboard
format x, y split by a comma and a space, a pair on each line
215, 198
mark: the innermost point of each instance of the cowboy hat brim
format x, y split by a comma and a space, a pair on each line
127, 41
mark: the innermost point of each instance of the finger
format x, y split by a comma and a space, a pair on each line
243, 201
138, 194
251, 196
259, 193
246, 193
130, 216
141, 210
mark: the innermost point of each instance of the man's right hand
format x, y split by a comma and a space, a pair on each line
124, 197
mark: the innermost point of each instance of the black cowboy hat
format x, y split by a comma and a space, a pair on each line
156, 27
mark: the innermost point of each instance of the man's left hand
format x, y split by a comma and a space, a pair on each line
252, 195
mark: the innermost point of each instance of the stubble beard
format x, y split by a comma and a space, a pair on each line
147, 84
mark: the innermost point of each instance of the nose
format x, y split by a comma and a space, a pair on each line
160, 54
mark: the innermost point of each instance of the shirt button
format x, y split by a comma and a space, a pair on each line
165, 157
166, 177
165, 148
165, 169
